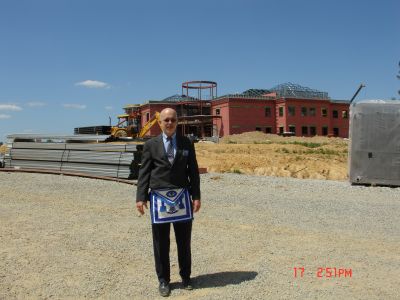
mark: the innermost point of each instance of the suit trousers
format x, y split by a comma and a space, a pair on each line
161, 243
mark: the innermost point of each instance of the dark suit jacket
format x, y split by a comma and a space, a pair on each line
156, 172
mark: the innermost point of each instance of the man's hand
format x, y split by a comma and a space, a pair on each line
196, 205
140, 205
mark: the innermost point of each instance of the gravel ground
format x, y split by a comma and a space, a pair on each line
66, 237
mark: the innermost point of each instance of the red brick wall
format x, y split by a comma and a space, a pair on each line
298, 120
242, 115
317, 121
280, 120
341, 123
248, 115
221, 124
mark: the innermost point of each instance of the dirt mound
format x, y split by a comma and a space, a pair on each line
272, 155
258, 137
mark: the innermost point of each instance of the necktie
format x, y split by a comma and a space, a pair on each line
170, 150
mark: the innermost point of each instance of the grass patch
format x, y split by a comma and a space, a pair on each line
323, 151
309, 144
320, 151
237, 171
262, 142
282, 150
305, 144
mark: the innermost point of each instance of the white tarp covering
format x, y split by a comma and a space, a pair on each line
374, 152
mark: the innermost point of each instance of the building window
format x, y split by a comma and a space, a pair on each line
291, 111
304, 130
336, 131
304, 111
268, 111
345, 114
335, 114
312, 111
268, 130
281, 130
258, 128
281, 111
313, 130
147, 117
292, 129
217, 111
324, 112
324, 130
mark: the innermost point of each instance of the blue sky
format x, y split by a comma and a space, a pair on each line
70, 63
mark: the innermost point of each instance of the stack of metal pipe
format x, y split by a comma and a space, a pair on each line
98, 159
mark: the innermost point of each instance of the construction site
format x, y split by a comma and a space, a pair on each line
287, 110
278, 162
285, 131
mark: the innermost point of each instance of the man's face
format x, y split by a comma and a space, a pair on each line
168, 121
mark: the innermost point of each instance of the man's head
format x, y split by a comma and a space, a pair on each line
168, 121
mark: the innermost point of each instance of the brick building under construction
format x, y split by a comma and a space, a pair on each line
287, 109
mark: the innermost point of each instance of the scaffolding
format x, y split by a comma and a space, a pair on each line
179, 98
256, 92
199, 86
194, 112
292, 90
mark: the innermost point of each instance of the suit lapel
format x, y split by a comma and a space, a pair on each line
161, 149
178, 148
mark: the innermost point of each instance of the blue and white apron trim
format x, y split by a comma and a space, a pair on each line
170, 205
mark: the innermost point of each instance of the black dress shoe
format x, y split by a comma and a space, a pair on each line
187, 284
164, 289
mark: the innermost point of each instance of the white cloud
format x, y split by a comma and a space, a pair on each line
36, 104
3, 117
93, 84
11, 107
108, 107
74, 106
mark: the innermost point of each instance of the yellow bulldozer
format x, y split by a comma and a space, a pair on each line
129, 127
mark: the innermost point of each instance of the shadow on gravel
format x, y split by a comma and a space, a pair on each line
222, 279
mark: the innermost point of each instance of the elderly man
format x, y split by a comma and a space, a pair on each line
169, 170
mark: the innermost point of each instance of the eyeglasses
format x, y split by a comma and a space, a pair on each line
169, 120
